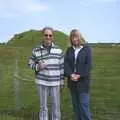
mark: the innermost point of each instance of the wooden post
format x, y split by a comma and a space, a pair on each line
1, 81
16, 87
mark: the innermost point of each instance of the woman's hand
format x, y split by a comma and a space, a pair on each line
75, 77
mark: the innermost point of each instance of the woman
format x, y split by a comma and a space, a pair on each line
48, 62
78, 64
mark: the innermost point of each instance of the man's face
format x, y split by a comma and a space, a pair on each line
48, 37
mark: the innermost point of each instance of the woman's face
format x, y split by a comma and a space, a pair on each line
48, 37
75, 40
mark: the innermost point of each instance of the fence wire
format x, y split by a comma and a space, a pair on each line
18, 93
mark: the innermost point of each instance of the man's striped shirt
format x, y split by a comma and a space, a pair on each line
53, 74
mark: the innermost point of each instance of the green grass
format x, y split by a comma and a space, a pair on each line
105, 99
105, 89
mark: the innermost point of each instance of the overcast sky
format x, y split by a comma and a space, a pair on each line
98, 20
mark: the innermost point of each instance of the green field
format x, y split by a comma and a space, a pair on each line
18, 94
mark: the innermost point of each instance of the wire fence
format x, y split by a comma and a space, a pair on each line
17, 91
18, 116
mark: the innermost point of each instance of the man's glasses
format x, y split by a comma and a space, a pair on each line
46, 35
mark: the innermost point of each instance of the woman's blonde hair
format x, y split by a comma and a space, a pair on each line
75, 32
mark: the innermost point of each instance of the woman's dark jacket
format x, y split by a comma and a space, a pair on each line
83, 67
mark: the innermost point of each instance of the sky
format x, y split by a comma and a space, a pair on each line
97, 20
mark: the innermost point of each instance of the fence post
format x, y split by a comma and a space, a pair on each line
16, 86
33, 116
1, 81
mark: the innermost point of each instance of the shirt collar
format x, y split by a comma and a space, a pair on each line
80, 47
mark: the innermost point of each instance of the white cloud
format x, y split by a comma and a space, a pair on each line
14, 8
106, 1
93, 2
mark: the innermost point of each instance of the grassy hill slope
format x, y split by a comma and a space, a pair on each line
33, 37
105, 99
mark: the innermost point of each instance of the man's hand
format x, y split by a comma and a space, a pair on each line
41, 65
62, 84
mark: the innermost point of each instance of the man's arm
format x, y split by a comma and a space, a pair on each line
62, 69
